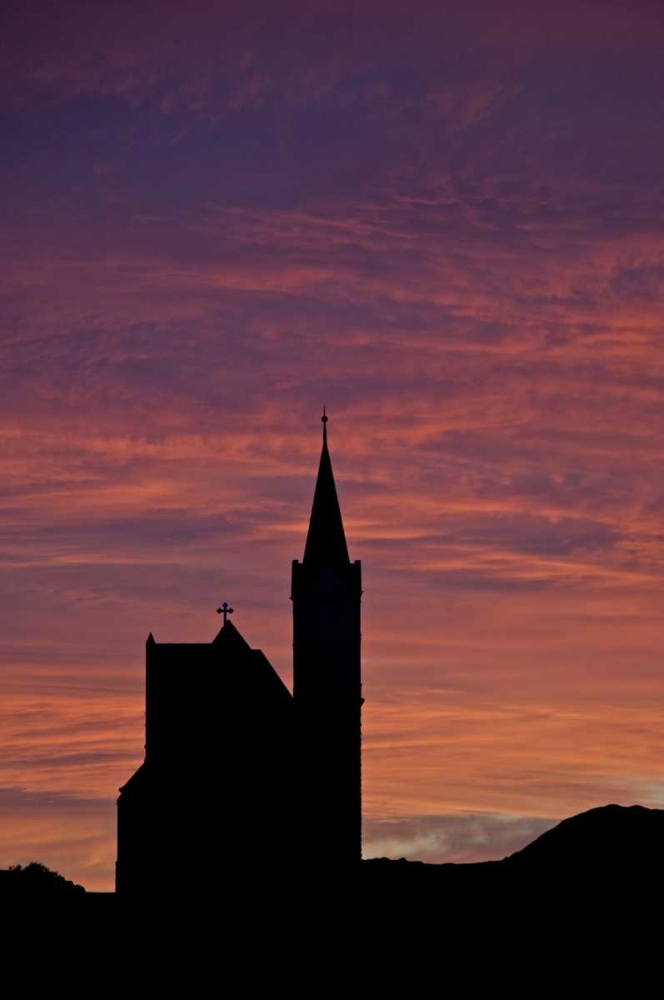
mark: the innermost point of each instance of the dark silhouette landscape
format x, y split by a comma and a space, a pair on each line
608, 850
605, 843
592, 861
577, 909
240, 833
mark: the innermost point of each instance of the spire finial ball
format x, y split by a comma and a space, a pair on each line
325, 417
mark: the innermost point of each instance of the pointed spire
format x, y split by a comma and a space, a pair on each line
326, 542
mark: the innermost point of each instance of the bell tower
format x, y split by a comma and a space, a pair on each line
327, 686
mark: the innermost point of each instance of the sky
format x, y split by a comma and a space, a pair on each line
445, 223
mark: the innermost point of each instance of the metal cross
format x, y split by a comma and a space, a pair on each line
225, 610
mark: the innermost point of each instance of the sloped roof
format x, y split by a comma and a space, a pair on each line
136, 782
247, 672
230, 640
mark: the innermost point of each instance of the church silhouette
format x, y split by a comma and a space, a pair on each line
239, 775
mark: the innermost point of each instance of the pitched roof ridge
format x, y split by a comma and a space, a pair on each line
230, 633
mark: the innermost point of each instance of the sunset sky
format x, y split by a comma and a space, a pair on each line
445, 222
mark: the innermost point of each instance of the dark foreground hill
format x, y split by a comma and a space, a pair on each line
36, 882
611, 844
583, 896
622, 839
581, 903
602, 866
